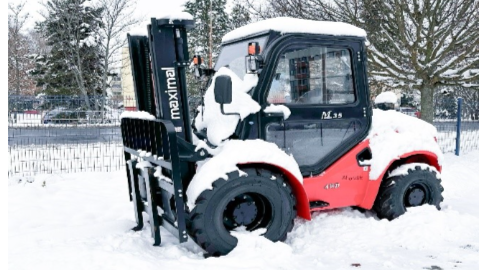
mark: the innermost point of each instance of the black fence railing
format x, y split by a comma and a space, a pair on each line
447, 135
37, 146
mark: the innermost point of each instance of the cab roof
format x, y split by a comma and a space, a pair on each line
286, 25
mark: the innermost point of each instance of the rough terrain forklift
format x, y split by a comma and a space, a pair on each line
318, 76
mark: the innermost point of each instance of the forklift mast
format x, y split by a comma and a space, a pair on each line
158, 68
164, 144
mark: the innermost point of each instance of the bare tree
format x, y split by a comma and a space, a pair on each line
416, 44
320, 10
18, 52
427, 44
117, 18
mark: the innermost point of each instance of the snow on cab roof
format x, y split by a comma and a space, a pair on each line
292, 25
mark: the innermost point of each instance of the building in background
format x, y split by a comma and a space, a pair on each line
127, 82
116, 86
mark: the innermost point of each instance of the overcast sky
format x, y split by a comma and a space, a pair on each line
145, 8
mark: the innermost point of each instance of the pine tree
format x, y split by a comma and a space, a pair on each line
445, 103
74, 64
211, 24
239, 16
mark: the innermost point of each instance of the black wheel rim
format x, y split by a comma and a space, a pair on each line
416, 195
251, 210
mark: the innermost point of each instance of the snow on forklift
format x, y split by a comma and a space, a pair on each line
285, 128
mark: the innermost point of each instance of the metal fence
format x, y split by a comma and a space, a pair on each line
51, 145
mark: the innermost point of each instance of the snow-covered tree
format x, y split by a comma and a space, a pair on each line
446, 98
445, 104
239, 16
211, 24
427, 44
470, 105
353, 12
410, 98
416, 44
74, 64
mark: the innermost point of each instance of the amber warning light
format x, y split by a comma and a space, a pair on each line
253, 48
197, 60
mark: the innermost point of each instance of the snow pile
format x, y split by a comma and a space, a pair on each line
143, 165
234, 152
404, 169
139, 31
394, 134
292, 25
278, 109
257, 252
158, 173
386, 97
137, 115
219, 126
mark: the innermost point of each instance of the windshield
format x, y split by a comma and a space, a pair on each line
233, 55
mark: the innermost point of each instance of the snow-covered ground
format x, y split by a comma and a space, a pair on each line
83, 221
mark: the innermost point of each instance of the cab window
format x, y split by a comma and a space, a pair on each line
313, 75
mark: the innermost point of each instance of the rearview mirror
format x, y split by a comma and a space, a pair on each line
223, 89
253, 61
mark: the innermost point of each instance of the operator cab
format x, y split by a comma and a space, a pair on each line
319, 77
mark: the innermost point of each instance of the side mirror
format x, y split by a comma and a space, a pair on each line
253, 61
223, 89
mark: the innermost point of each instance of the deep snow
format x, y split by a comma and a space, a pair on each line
83, 221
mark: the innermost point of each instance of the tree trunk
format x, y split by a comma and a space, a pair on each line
18, 79
427, 103
80, 81
106, 65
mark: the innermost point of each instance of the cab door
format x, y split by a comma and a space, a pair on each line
323, 84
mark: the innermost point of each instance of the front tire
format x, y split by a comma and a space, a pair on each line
261, 199
397, 193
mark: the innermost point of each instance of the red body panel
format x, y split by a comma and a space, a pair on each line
303, 209
415, 156
345, 183
299, 192
342, 184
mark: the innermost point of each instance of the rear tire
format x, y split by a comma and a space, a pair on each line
255, 201
418, 187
